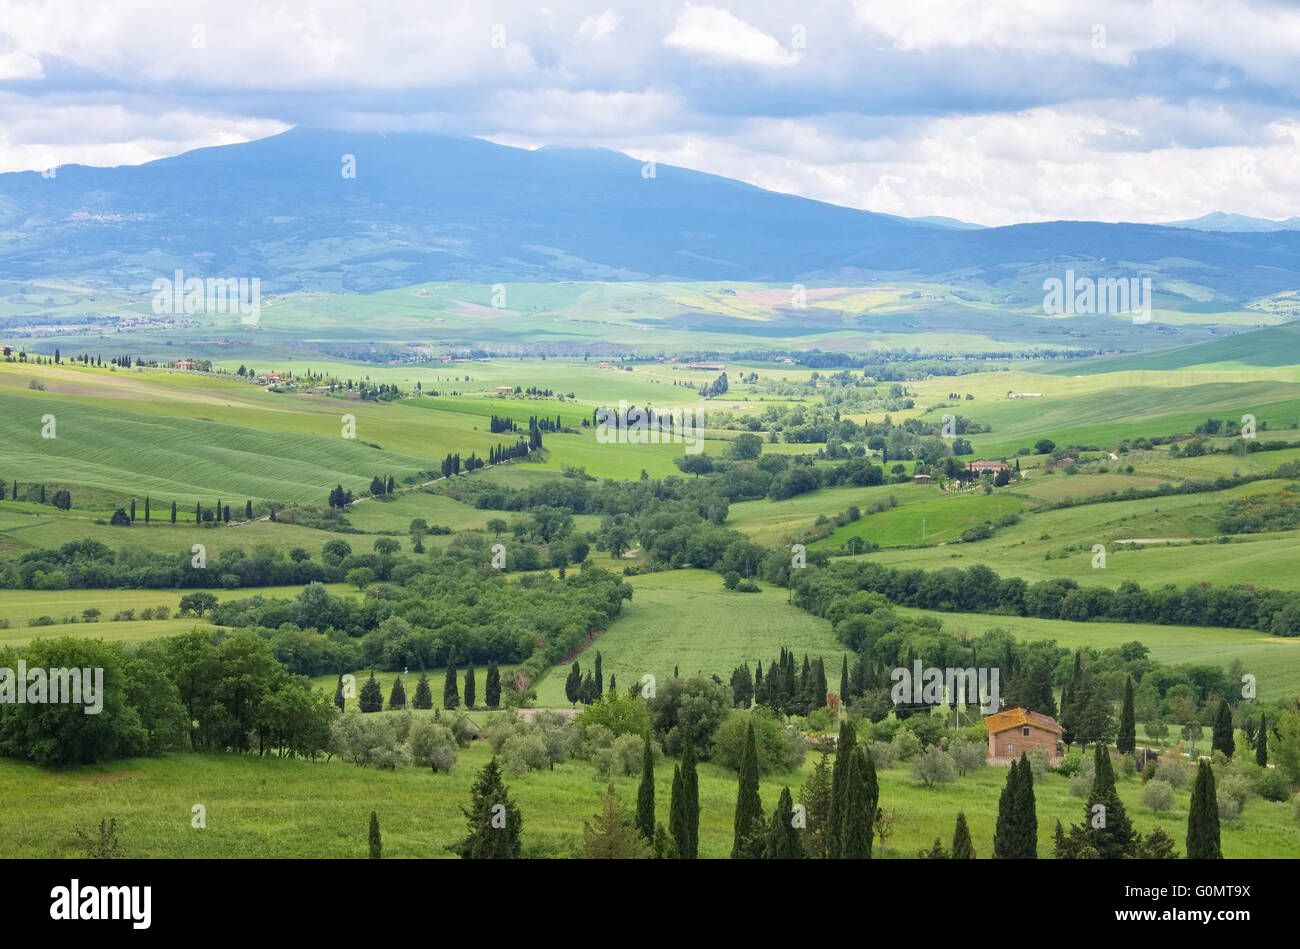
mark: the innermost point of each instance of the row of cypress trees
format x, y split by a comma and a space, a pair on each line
371, 698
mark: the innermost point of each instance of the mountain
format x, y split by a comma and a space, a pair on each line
1236, 223
939, 221
425, 207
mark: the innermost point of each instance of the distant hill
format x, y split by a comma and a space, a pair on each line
1274, 346
1236, 223
425, 207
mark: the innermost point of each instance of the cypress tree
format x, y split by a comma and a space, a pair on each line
132, 502
1127, 740
397, 697
450, 694
691, 801
338, 693
859, 809
1261, 743
844, 746
1223, 739
376, 844
758, 682
492, 687
749, 808
677, 824
844, 680
1115, 838
248, 510
573, 684
962, 847
1203, 817
469, 686
819, 687
587, 691
494, 833
198, 513
598, 680
782, 836
1007, 836
1068, 714
423, 694
372, 696
146, 509
1028, 810
645, 795
173, 513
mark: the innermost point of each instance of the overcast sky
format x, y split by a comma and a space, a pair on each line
993, 111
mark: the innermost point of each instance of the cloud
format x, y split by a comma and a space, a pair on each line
596, 28
717, 34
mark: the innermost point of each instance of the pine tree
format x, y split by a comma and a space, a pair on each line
1126, 743
492, 686
1261, 743
423, 697
450, 694
749, 808
397, 697
815, 796
645, 795
1203, 817
691, 801
494, 820
962, 847
469, 686
338, 694
376, 844
844, 746
1222, 736
613, 837
782, 836
1114, 838
372, 696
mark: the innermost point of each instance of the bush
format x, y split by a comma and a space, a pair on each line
1235, 788
1273, 785
1081, 783
1229, 808
970, 755
41, 621
433, 743
780, 747
934, 766
622, 757
1158, 795
1039, 763
906, 745
1176, 774
522, 752
1069, 765
882, 754
369, 740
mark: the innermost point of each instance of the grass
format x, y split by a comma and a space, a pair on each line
272, 807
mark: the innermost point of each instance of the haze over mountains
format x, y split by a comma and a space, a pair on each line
425, 207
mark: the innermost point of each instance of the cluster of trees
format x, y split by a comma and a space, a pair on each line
785, 688
60, 498
980, 590
340, 498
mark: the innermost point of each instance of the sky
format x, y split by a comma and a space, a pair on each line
991, 111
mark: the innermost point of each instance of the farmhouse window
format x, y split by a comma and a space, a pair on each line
1026, 732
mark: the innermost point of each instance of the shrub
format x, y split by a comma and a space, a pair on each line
1273, 785
1158, 796
622, 757
1176, 774
1069, 765
882, 754
1039, 763
970, 755
1233, 787
1081, 783
433, 743
780, 747
522, 752
934, 766
906, 745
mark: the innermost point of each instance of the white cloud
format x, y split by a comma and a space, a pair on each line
602, 27
717, 34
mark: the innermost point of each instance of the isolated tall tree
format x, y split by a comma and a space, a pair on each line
469, 686
1127, 740
1016, 835
599, 683
397, 697
423, 697
962, 847
494, 820
782, 836
338, 694
1110, 832
173, 513
848, 739
248, 510
573, 684
1203, 817
645, 794
844, 680
132, 502
198, 513
749, 808
677, 823
146, 509
691, 798
450, 694
1222, 736
376, 843
1261, 743
859, 807
372, 696
492, 686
